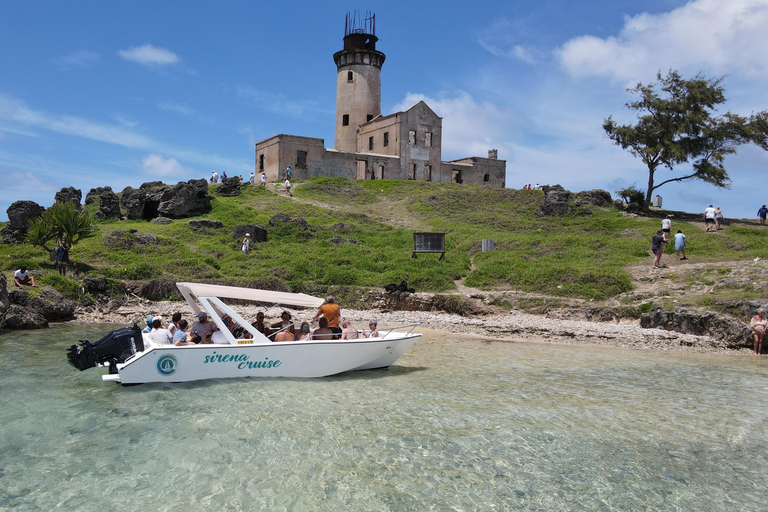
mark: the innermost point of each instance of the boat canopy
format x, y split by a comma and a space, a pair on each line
234, 292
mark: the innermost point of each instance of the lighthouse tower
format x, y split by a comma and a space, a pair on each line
358, 83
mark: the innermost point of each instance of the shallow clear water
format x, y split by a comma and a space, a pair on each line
456, 425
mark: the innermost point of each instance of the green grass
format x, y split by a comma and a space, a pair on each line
583, 256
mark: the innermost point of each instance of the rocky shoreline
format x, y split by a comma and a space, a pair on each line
511, 326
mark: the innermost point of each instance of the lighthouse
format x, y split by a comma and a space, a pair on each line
358, 82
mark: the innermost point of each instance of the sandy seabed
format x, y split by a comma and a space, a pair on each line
512, 326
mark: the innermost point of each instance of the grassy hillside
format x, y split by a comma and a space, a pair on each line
584, 256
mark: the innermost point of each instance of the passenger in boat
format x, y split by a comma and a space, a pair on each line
285, 335
304, 332
204, 327
285, 323
260, 326
331, 311
159, 333
180, 336
236, 330
348, 332
148, 328
323, 332
175, 319
374, 332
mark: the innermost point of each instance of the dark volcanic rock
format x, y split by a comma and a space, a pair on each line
18, 297
19, 215
106, 200
69, 195
204, 224
162, 220
618, 204
714, 325
556, 200
279, 219
132, 204
130, 240
258, 233
5, 301
50, 310
230, 187
186, 200
19, 317
158, 289
596, 197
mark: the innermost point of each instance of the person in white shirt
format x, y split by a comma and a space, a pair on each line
214, 177
288, 187
709, 217
252, 179
666, 227
263, 179
159, 333
21, 277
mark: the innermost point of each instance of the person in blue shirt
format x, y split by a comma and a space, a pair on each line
680, 245
761, 213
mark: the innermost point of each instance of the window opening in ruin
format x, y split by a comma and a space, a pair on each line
386, 139
412, 137
412, 173
301, 159
261, 162
381, 172
370, 143
456, 178
487, 178
345, 120
428, 139
428, 172
368, 117
350, 77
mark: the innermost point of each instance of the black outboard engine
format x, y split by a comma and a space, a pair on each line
114, 348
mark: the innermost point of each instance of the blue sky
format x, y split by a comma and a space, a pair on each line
96, 93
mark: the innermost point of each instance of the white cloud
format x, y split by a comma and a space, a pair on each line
158, 165
79, 59
470, 127
176, 107
503, 39
277, 102
149, 55
713, 36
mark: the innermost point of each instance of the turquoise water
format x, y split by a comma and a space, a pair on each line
456, 425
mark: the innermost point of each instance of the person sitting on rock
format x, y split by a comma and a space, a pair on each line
323, 332
22, 277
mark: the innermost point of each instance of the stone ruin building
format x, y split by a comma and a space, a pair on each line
404, 145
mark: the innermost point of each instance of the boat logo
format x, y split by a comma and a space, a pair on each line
167, 365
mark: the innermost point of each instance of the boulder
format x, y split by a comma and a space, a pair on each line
618, 204
158, 289
18, 297
556, 200
186, 200
204, 224
19, 317
19, 215
162, 220
130, 240
52, 310
715, 325
132, 203
5, 301
230, 187
279, 219
633, 208
69, 195
106, 200
258, 233
596, 197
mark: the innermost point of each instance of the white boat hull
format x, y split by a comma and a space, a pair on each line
302, 359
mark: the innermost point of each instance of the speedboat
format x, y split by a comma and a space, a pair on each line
134, 358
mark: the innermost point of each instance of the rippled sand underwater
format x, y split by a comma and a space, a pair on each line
457, 425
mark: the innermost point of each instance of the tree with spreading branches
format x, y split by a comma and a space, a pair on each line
60, 222
677, 125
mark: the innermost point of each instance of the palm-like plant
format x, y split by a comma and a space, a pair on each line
61, 221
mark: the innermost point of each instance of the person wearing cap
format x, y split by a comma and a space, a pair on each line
332, 312
148, 328
204, 327
247, 243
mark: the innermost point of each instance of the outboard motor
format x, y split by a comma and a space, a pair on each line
114, 348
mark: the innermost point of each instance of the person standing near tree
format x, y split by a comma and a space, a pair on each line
62, 256
657, 247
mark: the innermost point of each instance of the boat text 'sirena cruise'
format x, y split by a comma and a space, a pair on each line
133, 358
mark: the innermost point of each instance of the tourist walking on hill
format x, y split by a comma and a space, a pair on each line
288, 187
252, 179
762, 213
246, 243
758, 324
263, 179
680, 245
718, 218
657, 247
666, 226
709, 217
214, 177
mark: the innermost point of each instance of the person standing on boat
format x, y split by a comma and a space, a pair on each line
331, 311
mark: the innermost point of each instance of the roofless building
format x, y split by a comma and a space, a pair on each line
367, 145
